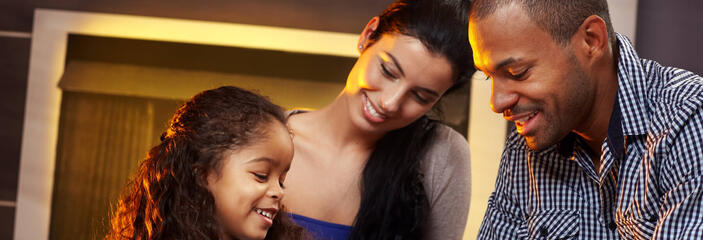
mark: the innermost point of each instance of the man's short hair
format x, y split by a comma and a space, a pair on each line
560, 18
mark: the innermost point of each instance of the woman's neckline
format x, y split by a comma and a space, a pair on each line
320, 222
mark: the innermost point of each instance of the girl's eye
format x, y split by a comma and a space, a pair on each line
261, 177
386, 72
281, 184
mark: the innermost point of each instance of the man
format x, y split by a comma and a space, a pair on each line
608, 145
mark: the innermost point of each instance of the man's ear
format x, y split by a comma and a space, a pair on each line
592, 38
366, 33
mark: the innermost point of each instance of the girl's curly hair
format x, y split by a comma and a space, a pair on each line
168, 198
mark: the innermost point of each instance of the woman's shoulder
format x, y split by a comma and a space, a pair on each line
447, 143
447, 182
299, 122
447, 153
292, 112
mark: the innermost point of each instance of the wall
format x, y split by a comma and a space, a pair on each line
671, 33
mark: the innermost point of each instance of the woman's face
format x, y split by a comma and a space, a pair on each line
249, 187
394, 82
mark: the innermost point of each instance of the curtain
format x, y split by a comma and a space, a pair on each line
102, 138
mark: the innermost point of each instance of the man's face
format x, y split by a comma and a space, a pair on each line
535, 82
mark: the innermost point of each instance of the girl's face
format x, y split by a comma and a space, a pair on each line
249, 187
394, 82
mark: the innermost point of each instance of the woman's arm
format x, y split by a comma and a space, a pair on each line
447, 184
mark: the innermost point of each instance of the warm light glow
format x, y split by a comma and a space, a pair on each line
361, 79
385, 57
214, 33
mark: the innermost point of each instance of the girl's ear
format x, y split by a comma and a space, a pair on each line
366, 33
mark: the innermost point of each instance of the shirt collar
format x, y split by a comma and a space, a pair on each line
632, 89
629, 109
615, 139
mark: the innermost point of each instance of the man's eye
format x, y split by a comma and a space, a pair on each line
519, 75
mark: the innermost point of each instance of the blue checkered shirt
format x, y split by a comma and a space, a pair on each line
651, 181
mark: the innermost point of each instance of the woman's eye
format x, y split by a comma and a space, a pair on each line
386, 72
420, 99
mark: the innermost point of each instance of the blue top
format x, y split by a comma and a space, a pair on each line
322, 230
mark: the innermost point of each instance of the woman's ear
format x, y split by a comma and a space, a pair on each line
366, 33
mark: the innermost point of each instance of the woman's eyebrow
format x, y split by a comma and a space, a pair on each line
386, 55
428, 91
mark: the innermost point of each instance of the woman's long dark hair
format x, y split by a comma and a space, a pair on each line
168, 198
393, 200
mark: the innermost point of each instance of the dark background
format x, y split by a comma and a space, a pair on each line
667, 31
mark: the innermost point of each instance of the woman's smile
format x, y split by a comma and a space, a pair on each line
370, 111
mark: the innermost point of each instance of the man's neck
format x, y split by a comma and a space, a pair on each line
595, 130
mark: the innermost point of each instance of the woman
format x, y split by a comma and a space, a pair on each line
371, 165
217, 174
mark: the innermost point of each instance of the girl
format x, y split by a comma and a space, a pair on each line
217, 174
371, 165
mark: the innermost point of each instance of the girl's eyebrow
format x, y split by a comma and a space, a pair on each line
386, 55
260, 159
270, 161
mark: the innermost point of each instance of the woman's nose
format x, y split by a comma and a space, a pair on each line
391, 101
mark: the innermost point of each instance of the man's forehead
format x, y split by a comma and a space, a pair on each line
503, 13
500, 36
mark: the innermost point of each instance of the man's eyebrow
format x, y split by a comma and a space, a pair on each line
506, 62
500, 65
395, 61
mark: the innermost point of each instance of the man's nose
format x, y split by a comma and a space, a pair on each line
502, 97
